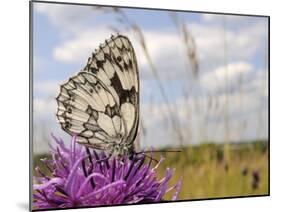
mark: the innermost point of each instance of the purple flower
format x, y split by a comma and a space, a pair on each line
79, 177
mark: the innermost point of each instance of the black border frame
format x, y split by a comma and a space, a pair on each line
31, 2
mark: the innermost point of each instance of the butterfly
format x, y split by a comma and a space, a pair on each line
100, 105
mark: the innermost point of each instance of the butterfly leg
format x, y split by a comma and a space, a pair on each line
86, 172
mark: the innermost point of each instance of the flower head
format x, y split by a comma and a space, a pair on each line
80, 177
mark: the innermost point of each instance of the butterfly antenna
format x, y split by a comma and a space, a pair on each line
168, 151
151, 158
152, 151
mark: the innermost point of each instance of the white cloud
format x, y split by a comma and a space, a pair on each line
232, 70
44, 114
216, 79
79, 48
45, 122
47, 88
161, 47
70, 18
258, 84
44, 108
205, 121
242, 42
166, 48
219, 18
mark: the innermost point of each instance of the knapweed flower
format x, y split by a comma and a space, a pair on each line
80, 178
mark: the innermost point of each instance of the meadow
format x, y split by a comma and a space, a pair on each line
208, 171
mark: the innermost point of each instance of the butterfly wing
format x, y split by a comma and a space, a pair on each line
86, 108
101, 103
115, 65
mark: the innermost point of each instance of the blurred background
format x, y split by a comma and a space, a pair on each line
204, 88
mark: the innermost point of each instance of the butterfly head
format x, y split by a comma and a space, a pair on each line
120, 149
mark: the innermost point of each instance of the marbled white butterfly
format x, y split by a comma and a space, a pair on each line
101, 103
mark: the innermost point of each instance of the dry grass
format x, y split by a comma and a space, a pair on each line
206, 173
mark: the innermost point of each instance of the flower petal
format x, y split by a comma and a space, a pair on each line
118, 184
58, 181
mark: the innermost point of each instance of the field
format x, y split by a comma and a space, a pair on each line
208, 173
213, 170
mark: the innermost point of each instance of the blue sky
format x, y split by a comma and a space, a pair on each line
65, 36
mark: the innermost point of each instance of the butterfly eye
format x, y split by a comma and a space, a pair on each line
91, 90
98, 87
